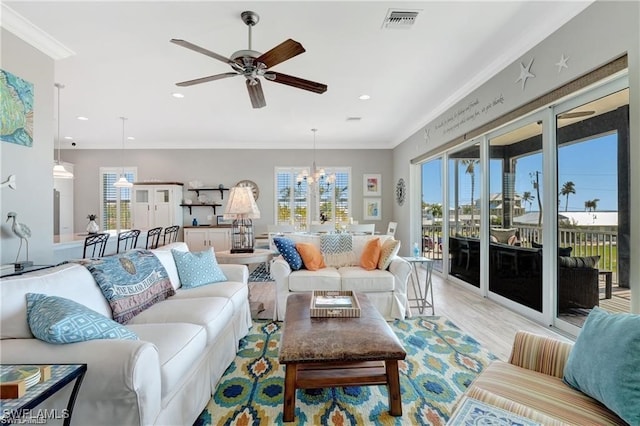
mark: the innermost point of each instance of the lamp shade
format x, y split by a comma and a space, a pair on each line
123, 183
59, 172
241, 204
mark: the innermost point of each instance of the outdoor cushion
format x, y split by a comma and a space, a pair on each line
579, 262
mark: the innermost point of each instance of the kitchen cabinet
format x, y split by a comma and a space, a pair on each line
156, 205
202, 238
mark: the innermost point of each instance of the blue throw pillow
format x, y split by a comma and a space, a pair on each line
287, 249
604, 362
58, 320
197, 268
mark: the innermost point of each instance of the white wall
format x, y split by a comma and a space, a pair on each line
602, 32
33, 198
226, 166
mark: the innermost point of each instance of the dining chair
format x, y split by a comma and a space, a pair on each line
322, 227
365, 228
128, 240
153, 238
95, 244
170, 234
391, 228
277, 230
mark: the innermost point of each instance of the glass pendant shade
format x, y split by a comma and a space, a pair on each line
123, 182
59, 172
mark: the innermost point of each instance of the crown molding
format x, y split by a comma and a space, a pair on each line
15, 23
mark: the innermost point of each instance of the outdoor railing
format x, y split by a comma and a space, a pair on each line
584, 243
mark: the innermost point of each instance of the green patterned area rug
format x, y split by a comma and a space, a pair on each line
441, 362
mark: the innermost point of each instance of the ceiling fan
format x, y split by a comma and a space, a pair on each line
252, 65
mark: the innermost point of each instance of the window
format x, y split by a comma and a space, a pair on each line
295, 197
115, 203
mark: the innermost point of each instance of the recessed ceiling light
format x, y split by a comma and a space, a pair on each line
82, 118
68, 138
177, 95
364, 97
131, 138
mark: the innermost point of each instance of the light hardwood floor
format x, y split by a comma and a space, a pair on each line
493, 325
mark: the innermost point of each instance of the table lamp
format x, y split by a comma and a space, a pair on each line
241, 207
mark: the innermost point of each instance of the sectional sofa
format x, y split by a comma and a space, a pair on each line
164, 377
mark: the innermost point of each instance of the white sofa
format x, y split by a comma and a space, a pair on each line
166, 377
386, 289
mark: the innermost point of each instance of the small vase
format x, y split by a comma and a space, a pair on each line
92, 227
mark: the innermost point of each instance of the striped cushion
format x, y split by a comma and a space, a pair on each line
540, 353
512, 388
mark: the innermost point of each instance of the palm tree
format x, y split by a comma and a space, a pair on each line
567, 188
591, 205
470, 170
436, 210
528, 198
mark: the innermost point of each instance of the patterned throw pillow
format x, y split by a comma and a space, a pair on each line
58, 320
287, 249
370, 255
337, 250
311, 256
388, 251
197, 268
131, 282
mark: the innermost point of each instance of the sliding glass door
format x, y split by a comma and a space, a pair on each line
592, 142
432, 211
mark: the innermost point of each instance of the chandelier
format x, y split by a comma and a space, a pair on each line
316, 175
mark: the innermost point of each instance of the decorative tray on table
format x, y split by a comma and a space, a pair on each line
334, 304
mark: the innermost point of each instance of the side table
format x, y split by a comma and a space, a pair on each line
18, 410
422, 299
258, 256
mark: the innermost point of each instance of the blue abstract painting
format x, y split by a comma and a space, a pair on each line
16, 105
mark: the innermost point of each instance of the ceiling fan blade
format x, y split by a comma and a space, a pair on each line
206, 79
199, 49
285, 50
256, 94
298, 82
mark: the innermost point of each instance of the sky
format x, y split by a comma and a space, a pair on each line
591, 165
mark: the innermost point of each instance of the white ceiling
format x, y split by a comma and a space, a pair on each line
124, 65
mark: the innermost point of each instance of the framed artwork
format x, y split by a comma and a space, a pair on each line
372, 209
372, 185
17, 123
221, 221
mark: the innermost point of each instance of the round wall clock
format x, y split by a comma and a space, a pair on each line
251, 184
401, 191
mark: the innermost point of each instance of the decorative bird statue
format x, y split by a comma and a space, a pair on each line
22, 231
10, 182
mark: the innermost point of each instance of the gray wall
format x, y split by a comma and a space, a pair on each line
602, 32
33, 198
213, 167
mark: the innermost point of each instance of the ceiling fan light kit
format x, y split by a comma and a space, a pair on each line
253, 65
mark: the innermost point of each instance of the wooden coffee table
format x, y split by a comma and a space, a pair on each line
334, 352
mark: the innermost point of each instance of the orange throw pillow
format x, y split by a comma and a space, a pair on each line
311, 256
370, 254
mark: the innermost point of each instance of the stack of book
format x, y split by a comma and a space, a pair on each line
338, 303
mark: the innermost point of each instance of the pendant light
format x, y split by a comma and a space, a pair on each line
58, 168
123, 182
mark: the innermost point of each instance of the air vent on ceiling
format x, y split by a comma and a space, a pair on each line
400, 19
354, 118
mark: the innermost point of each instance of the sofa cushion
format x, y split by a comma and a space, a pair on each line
198, 268
287, 249
370, 254
578, 262
388, 251
604, 362
502, 234
213, 313
165, 257
55, 319
180, 347
131, 281
311, 256
543, 394
337, 249
322, 279
359, 279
